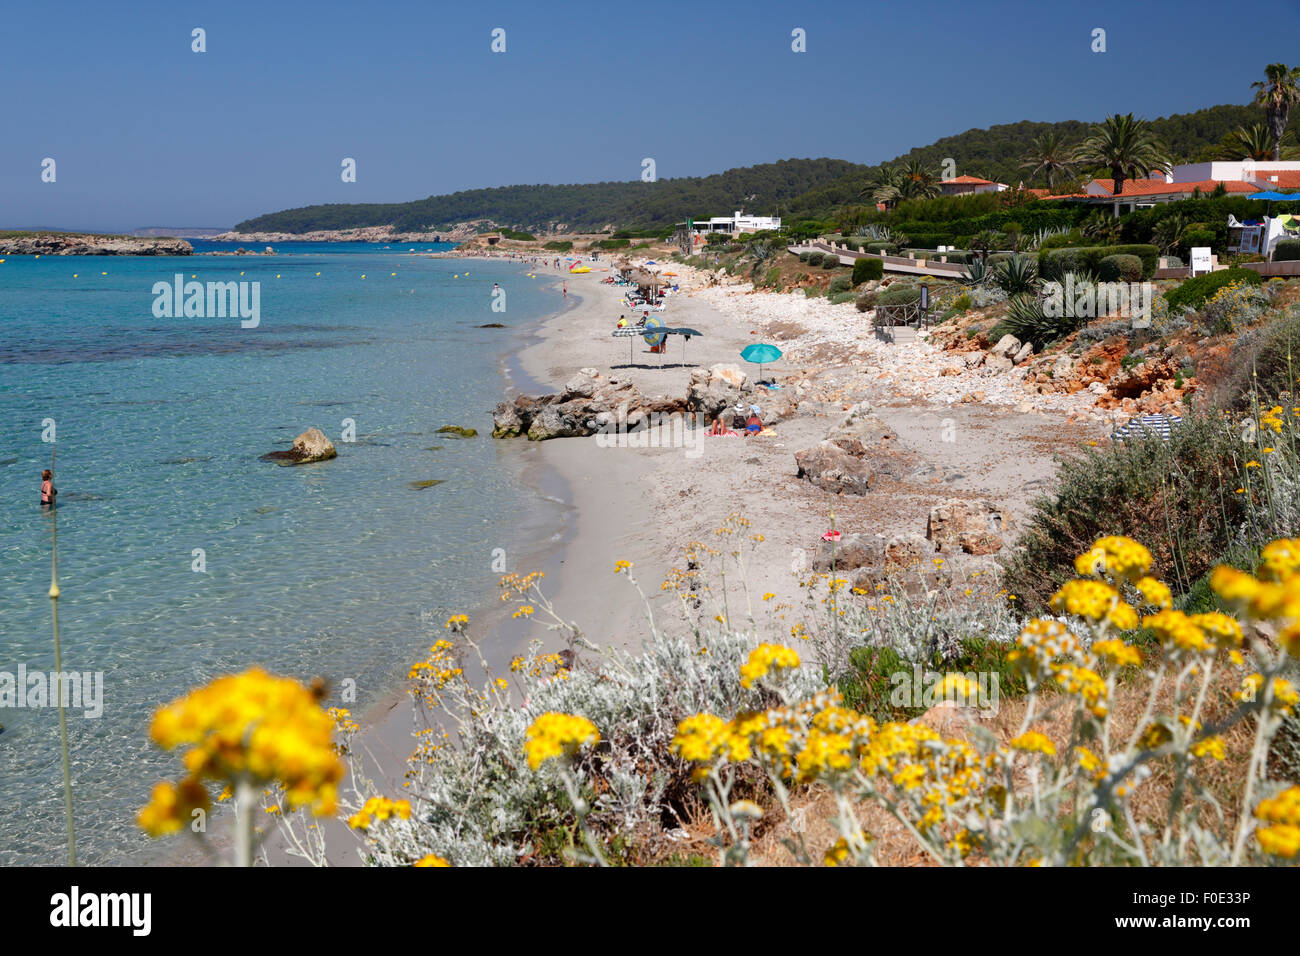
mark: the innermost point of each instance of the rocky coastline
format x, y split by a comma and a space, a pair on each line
49, 244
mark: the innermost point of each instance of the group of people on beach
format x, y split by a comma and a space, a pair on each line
726, 423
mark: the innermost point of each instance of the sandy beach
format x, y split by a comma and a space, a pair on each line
646, 504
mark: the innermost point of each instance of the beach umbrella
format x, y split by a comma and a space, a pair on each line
686, 334
760, 353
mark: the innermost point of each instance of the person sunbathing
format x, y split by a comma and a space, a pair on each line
722, 427
754, 424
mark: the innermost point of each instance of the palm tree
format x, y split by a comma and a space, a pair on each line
885, 185
919, 182
1126, 146
1049, 155
1277, 93
1255, 142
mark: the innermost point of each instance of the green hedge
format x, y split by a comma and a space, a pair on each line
1195, 292
1053, 264
803, 256
559, 246
840, 284
1287, 250
865, 269
815, 258
830, 260
1121, 268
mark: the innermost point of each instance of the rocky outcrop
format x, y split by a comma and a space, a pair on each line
973, 527
68, 245
311, 445
847, 461
717, 389
592, 403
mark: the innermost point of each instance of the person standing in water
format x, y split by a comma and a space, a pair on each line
48, 491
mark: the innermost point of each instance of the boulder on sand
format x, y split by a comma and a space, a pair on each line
311, 445
717, 388
830, 467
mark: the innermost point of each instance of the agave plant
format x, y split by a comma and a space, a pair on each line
1035, 242
976, 271
874, 232
1028, 321
1017, 275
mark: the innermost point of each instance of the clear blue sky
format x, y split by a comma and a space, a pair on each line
147, 133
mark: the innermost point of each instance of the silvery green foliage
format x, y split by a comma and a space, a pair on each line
874, 232
982, 296
474, 804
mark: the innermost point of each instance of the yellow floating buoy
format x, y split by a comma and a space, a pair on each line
193, 276
318, 273
277, 275
74, 275
241, 273
363, 275
103, 273
392, 273
38, 255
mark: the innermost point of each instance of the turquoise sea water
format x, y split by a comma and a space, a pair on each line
339, 569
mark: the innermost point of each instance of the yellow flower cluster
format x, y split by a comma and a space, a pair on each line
763, 660
431, 860
252, 727
1095, 601
379, 809
1116, 557
555, 735
171, 806
1282, 814
1034, 742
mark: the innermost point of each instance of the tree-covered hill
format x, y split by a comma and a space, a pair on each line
757, 189
792, 188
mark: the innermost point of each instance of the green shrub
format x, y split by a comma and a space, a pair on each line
1287, 250
559, 246
1196, 291
830, 260
803, 256
1266, 360
839, 298
1197, 237
518, 236
812, 291
1061, 240
773, 278
866, 301
998, 258
1174, 262
1122, 268
962, 303
815, 258
840, 284
880, 247
1053, 264
1177, 497
899, 294
865, 269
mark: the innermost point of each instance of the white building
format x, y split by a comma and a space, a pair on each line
1264, 173
734, 225
1261, 235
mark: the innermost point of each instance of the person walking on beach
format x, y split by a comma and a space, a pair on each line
48, 491
565, 286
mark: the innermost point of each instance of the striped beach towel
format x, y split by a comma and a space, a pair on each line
1144, 425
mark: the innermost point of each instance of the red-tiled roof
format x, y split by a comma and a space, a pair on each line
969, 180
1040, 193
1286, 179
1158, 187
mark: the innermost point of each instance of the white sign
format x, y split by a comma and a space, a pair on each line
1200, 260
